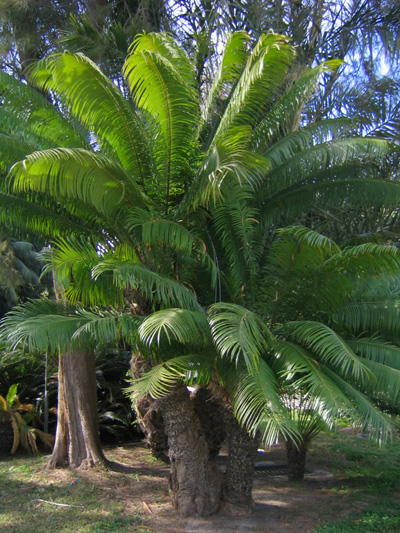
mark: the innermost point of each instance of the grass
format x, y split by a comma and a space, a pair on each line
28, 495
370, 478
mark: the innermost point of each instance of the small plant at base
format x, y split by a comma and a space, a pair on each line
19, 417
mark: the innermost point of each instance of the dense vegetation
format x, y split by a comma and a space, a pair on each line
218, 208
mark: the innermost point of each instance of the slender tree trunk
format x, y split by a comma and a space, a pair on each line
195, 486
77, 441
296, 458
238, 482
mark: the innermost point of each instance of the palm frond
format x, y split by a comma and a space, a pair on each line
37, 114
181, 325
229, 163
40, 325
12, 150
284, 117
377, 350
257, 405
368, 258
161, 379
329, 155
229, 70
310, 238
329, 346
237, 226
99, 105
312, 135
159, 85
356, 184
376, 316
172, 235
386, 384
107, 326
71, 261
76, 173
263, 74
239, 334
35, 216
298, 366
368, 415
159, 288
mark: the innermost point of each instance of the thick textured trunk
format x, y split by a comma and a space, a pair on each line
238, 482
148, 415
211, 412
296, 458
195, 486
77, 441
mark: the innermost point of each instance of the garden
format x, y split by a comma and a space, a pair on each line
199, 266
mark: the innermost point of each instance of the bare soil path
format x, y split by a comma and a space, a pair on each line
280, 506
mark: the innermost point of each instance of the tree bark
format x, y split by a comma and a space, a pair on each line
195, 486
148, 415
238, 482
77, 442
211, 412
296, 458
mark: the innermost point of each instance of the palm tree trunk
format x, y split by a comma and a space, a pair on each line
77, 441
211, 411
238, 482
195, 486
296, 458
148, 414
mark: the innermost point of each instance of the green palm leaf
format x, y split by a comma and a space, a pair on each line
75, 173
239, 334
181, 325
107, 326
35, 216
368, 415
331, 155
329, 346
159, 85
157, 287
11, 150
162, 379
263, 74
233, 60
357, 184
36, 114
297, 366
383, 316
377, 350
284, 117
257, 406
40, 325
100, 106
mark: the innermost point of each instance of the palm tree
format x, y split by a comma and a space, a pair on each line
308, 343
167, 197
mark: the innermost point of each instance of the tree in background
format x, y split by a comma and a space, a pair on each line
28, 31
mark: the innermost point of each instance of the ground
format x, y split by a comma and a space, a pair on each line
335, 486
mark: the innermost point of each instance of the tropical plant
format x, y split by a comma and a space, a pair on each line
169, 201
20, 421
300, 342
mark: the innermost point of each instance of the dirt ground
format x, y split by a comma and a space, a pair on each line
280, 506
